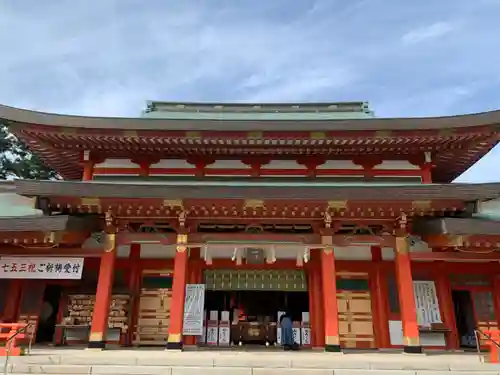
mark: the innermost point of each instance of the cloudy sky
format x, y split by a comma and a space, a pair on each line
107, 57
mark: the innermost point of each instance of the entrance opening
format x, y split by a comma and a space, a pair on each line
48, 314
259, 309
464, 316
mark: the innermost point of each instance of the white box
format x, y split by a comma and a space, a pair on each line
214, 315
305, 317
306, 336
224, 334
296, 335
212, 334
224, 316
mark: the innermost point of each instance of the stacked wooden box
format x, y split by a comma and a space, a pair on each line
81, 307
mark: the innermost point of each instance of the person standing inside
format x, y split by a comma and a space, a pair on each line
287, 332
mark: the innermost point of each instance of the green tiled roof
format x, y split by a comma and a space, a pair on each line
264, 112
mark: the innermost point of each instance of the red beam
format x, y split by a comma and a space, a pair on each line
214, 237
49, 251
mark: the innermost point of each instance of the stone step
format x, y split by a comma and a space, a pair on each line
128, 362
163, 370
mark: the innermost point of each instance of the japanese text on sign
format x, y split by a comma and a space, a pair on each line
41, 268
193, 309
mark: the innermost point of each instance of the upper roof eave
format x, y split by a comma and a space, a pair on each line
423, 192
23, 116
455, 226
54, 223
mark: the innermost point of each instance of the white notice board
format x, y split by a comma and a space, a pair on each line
193, 310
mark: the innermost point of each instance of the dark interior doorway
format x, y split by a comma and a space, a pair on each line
48, 314
464, 316
259, 305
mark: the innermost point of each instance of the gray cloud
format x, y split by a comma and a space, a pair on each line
108, 57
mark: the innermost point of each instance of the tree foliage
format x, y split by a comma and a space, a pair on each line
16, 161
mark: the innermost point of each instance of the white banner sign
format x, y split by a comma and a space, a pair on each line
194, 305
41, 268
426, 302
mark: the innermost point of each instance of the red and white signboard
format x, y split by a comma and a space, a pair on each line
41, 268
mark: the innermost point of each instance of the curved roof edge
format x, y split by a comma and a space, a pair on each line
24, 116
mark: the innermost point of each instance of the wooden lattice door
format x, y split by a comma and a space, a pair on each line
154, 309
355, 312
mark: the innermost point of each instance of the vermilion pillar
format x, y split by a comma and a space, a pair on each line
134, 282
496, 297
13, 300
443, 291
178, 294
330, 306
100, 315
88, 171
411, 336
380, 304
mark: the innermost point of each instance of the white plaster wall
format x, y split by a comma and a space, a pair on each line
117, 163
396, 164
172, 163
353, 253
228, 164
283, 164
339, 164
157, 251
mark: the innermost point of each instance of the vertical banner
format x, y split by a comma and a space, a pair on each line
193, 310
426, 303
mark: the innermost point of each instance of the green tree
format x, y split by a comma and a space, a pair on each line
16, 161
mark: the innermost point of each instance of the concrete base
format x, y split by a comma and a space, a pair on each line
413, 350
260, 362
97, 345
174, 346
332, 348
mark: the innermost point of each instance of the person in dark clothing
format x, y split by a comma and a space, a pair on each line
287, 332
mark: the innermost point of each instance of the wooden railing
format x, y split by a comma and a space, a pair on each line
15, 332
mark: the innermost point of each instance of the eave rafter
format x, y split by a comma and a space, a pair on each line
455, 149
248, 210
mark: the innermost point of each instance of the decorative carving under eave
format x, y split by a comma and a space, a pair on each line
401, 227
328, 220
182, 219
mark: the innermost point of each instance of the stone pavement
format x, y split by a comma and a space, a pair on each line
156, 362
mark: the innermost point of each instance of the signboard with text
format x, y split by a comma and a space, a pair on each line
41, 268
194, 306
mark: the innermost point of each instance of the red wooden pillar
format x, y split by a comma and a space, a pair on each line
496, 298
380, 304
134, 284
88, 170
411, 336
98, 330
178, 294
443, 291
319, 316
427, 173
11, 310
330, 305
